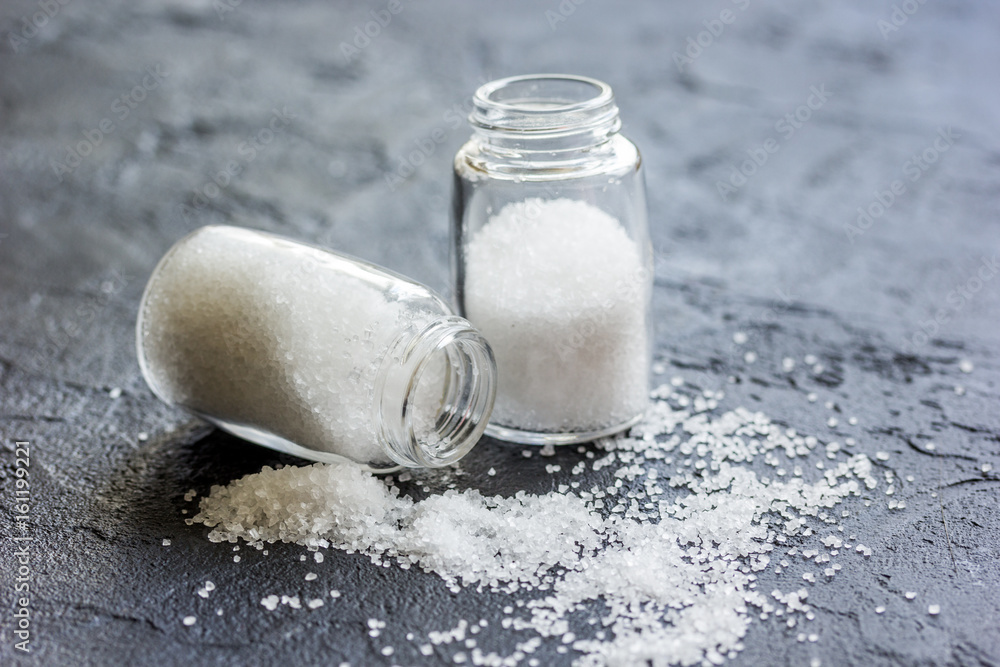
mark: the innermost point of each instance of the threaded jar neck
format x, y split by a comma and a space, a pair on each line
434, 393
544, 112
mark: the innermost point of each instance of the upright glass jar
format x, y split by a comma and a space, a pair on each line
551, 257
313, 353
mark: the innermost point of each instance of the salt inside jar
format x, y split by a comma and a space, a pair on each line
312, 352
552, 259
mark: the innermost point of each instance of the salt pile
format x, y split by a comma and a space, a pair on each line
561, 293
665, 567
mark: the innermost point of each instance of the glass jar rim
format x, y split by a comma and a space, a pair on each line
396, 387
545, 106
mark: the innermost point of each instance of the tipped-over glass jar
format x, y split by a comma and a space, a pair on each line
313, 353
551, 257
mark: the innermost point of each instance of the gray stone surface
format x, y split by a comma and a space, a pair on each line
774, 259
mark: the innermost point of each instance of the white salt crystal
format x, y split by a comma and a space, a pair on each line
882, 456
166, 542
880, 609
965, 366
315, 603
115, 393
934, 609
270, 602
143, 436
788, 364
561, 293
750, 357
911, 595
311, 576
739, 337
190, 620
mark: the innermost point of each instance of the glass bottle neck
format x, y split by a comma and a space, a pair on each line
555, 114
434, 393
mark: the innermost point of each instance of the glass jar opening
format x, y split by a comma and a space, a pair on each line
545, 106
438, 388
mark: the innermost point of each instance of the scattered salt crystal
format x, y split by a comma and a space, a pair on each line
965, 366
880, 609
739, 337
934, 609
315, 603
959, 390
189, 620
787, 364
882, 456
236, 559
115, 393
491, 472
547, 450
812, 397
831, 422
750, 357
311, 576
911, 595
986, 467
271, 602
930, 446
143, 436
387, 650
318, 557
166, 542
810, 359
335, 594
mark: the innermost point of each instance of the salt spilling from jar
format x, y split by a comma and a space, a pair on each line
313, 353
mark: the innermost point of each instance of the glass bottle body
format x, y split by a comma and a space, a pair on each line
552, 259
313, 353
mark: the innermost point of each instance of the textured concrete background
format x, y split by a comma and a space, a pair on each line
115, 117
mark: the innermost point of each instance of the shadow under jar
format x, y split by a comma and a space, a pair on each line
313, 353
551, 257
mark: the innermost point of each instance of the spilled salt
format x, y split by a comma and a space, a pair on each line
672, 558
